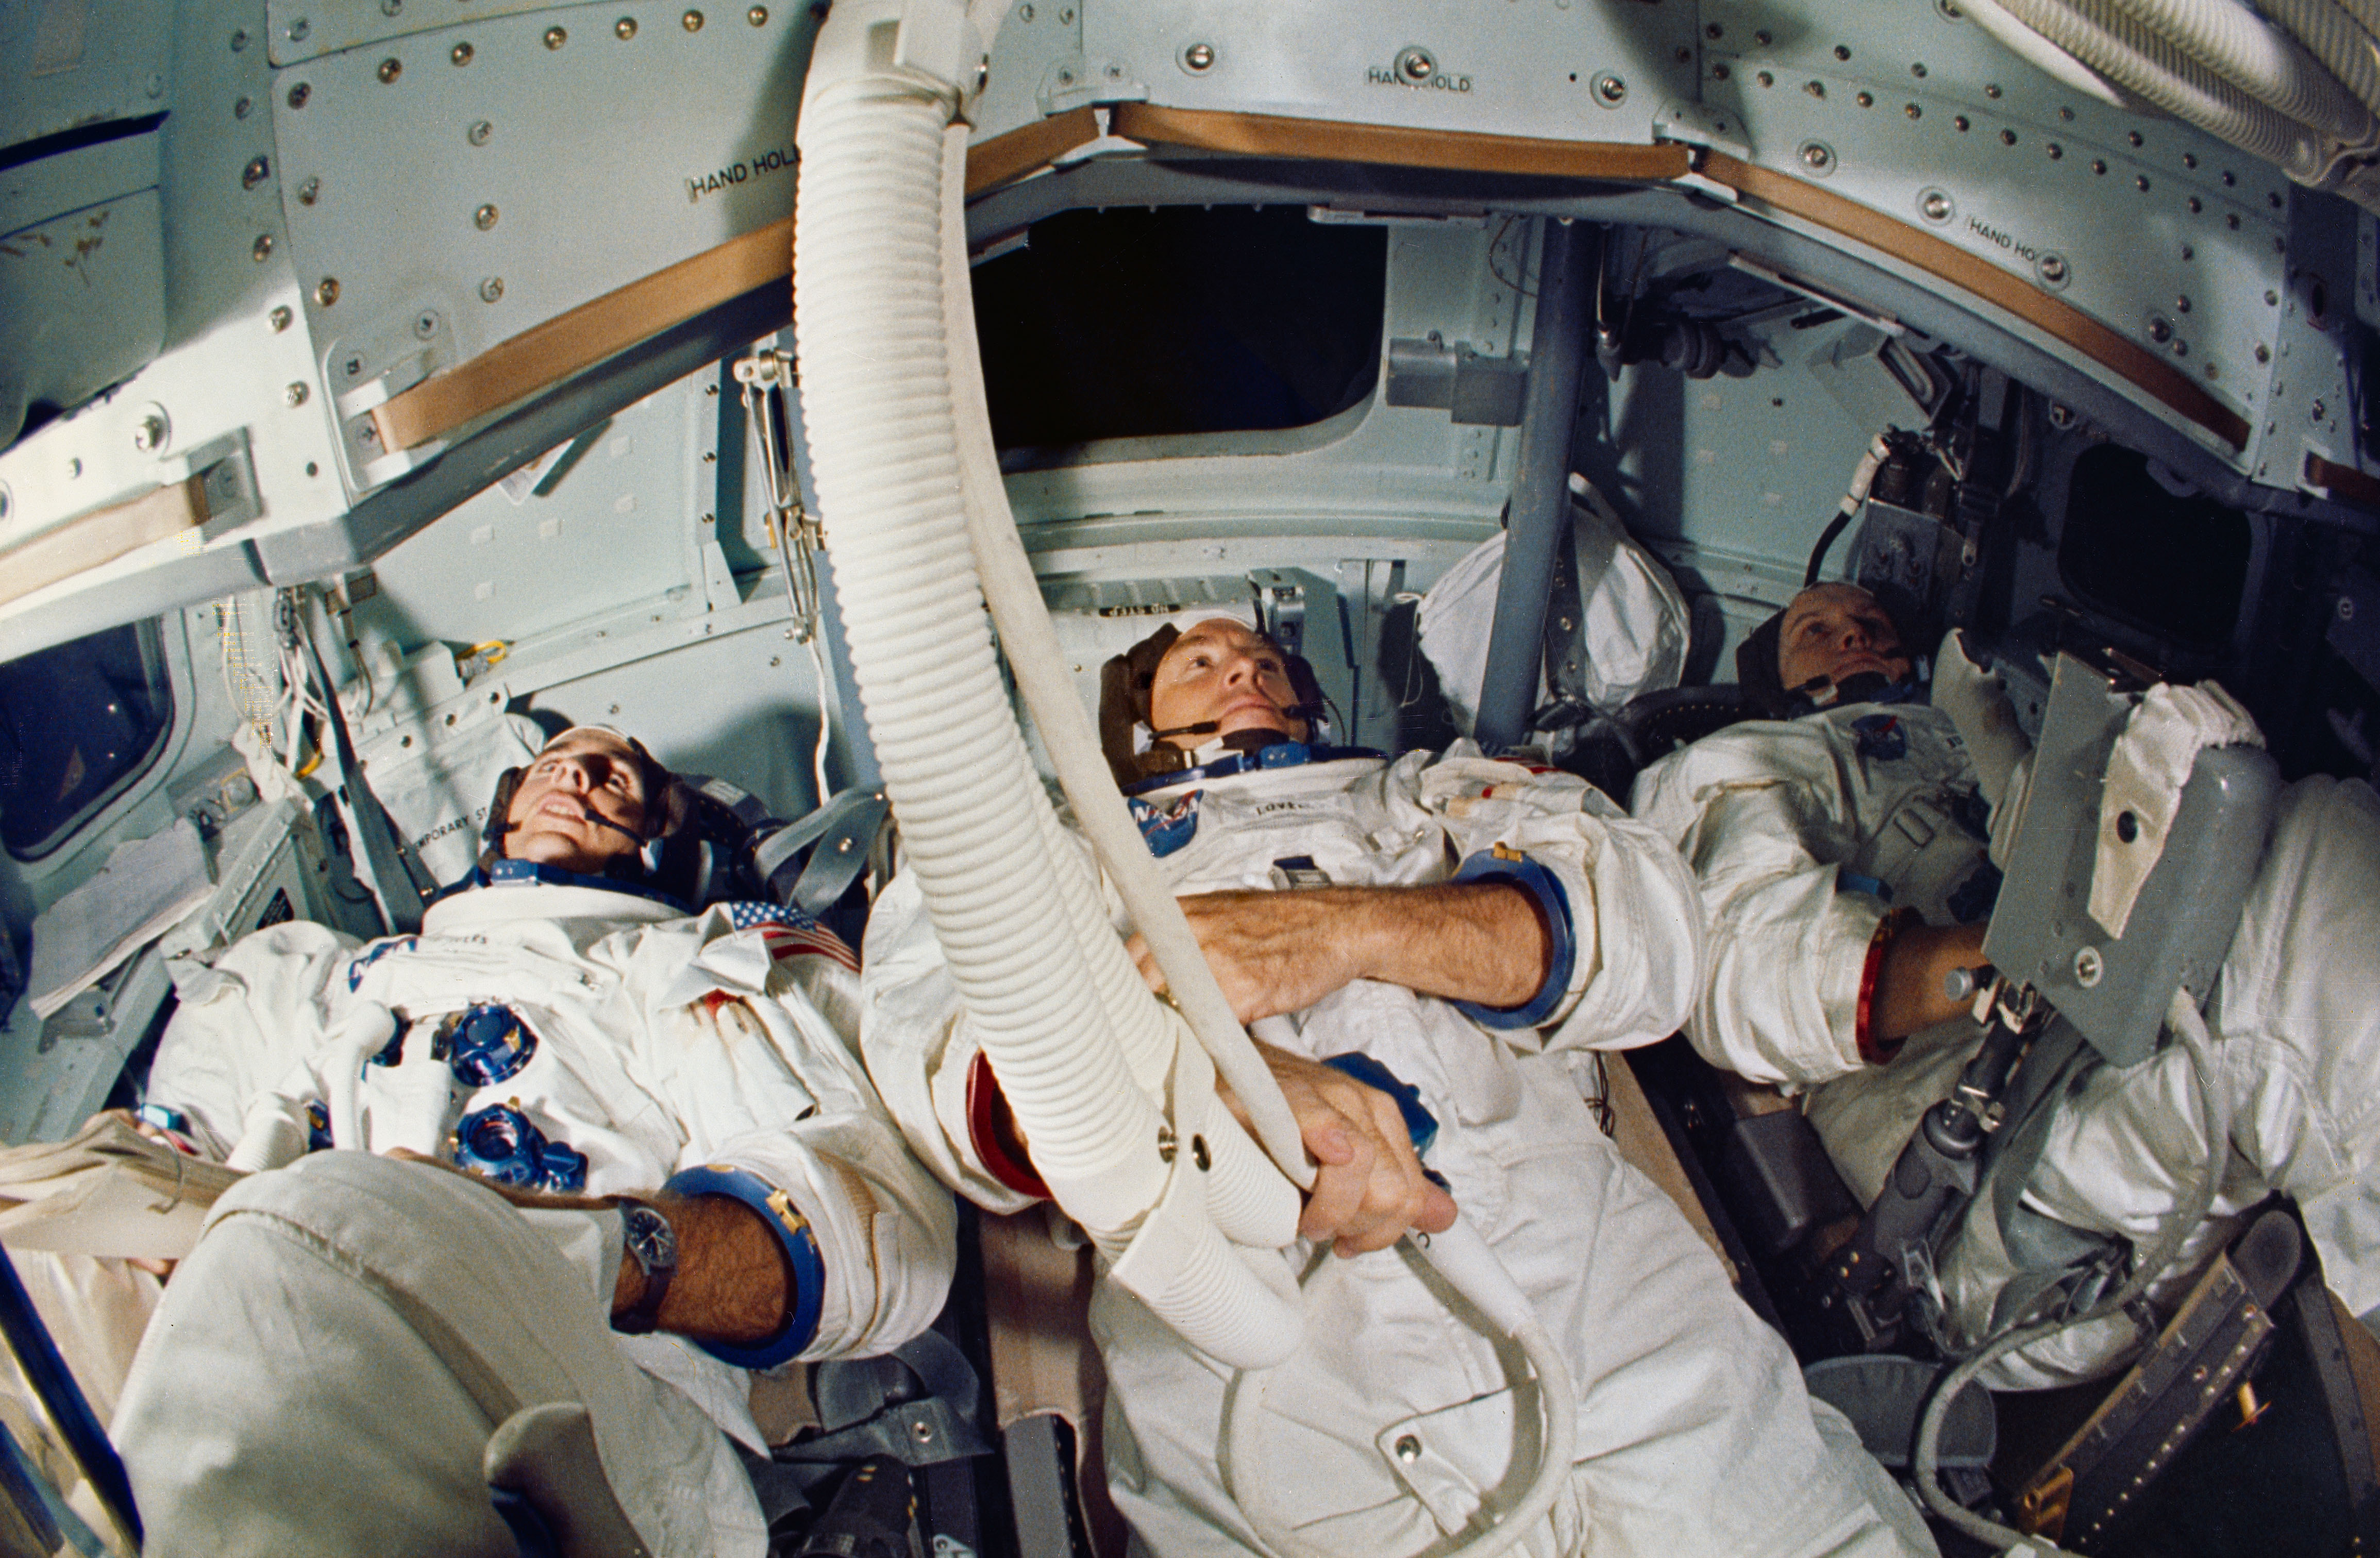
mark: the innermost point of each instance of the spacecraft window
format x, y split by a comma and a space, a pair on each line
1125, 323
2153, 552
78, 723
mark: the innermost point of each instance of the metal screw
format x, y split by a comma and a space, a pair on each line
2060, 416
1763, 38
238, 39
425, 324
2180, 347
1198, 57
757, 15
491, 290
1918, 71
255, 173
239, 109
309, 190
353, 368
2007, 138
148, 435
298, 94
300, 30
294, 394
2053, 269
390, 69
2098, 165
1992, 90
2317, 411
2192, 203
460, 53
1408, 1448
1610, 90
479, 132
1816, 157
1815, 89
1961, 123
2160, 329
327, 292
1417, 65
1766, 79
1912, 110
1066, 77
2181, 304
74, 468
2055, 151
555, 37
625, 29
691, 22
262, 249
2347, 608
2089, 967
1841, 53
1934, 205
279, 318
484, 218
2263, 354
1865, 100
391, 8
1200, 1155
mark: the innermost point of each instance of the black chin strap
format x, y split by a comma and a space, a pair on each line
1306, 714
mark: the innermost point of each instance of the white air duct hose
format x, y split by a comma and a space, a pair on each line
2244, 49
873, 287
876, 400
2048, 58
2335, 36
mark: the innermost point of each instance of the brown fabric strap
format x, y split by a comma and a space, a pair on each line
101, 537
1004, 159
1267, 134
1972, 274
586, 335
2345, 483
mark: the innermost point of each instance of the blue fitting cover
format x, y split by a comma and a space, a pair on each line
485, 1044
502, 1144
1420, 1123
1539, 882
792, 1231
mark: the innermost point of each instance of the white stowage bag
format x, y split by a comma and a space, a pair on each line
1632, 629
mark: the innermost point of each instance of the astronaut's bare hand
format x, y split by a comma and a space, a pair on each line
1272, 953
1369, 1187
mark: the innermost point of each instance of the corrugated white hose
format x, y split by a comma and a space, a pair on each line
1462, 1258
877, 400
2260, 59
2108, 41
2215, 1115
2048, 58
2334, 35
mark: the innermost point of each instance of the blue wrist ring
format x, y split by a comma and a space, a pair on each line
792, 1231
1534, 879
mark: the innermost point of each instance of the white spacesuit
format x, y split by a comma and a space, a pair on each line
659, 1043
1397, 1421
1800, 829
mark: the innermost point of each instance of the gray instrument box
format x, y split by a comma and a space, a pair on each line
2114, 989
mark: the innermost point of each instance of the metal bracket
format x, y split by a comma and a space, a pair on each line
1475, 391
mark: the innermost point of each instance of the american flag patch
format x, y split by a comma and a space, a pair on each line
788, 933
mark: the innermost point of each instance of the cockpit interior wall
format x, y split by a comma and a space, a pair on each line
430, 339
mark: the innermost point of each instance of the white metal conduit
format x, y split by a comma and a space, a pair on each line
2297, 86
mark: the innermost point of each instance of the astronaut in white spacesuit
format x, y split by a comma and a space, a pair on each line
1477, 928
701, 1182
1841, 857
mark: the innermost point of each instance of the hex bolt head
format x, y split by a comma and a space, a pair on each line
1816, 157
479, 132
691, 22
1408, 1448
238, 39
625, 29
262, 249
300, 30
2160, 329
279, 318
1610, 90
555, 37
1936, 205
256, 171
353, 368
484, 218
299, 92
390, 69
425, 324
491, 290
2263, 354
310, 189
2054, 269
460, 53
1417, 65
2317, 411
2090, 967
241, 109
327, 292
1199, 58
294, 394
150, 433
757, 15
